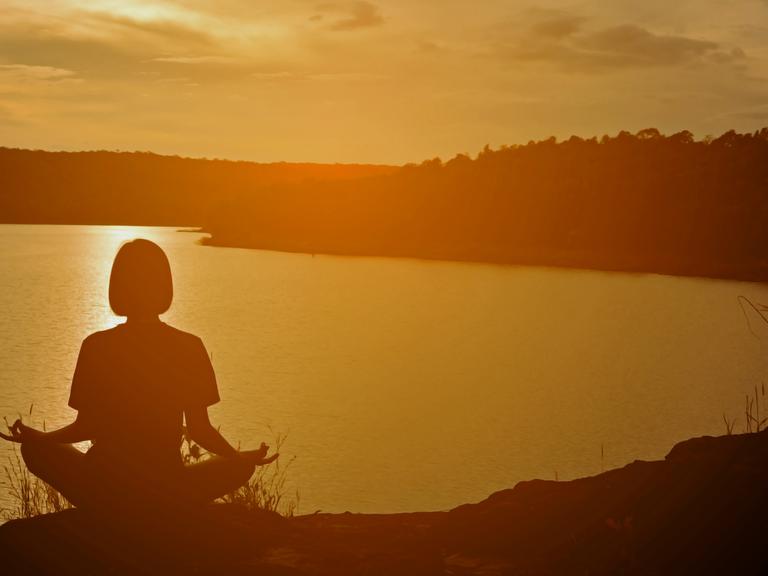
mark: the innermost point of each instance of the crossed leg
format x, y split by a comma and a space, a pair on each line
213, 478
64, 468
60, 466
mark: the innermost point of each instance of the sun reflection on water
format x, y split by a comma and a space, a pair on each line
104, 243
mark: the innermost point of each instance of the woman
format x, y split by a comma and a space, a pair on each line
133, 388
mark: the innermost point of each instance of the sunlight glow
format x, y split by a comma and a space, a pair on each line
104, 248
135, 10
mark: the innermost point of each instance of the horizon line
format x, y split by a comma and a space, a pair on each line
353, 163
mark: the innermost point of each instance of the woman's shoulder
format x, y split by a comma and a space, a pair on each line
181, 335
186, 344
101, 335
160, 330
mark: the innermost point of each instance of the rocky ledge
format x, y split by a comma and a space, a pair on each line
701, 510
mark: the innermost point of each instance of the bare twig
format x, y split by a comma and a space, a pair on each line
761, 310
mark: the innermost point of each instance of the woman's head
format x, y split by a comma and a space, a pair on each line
141, 281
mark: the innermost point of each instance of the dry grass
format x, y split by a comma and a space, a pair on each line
752, 411
753, 421
30, 496
266, 489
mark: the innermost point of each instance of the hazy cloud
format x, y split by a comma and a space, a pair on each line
341, 76
633, 45
274, 76
557, 25
7, 118
348, 15
320, 76
97, 44
196, 60
130, 52
35, 73
37, 46
565, 40
762, 116
428, 47
164, 30
754, 113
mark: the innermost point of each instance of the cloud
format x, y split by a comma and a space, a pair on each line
319, 77
756, 115
196, 60
134, 46
759, 113
275, 76
346, 76
130, 54
36, 46
427, 46
348, 16
630, 44
557, 25
9, 118
36, 73
98, 44
165, 30
564, 40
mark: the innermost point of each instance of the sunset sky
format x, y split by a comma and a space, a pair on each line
358, 81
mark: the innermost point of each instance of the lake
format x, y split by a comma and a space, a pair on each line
402, 384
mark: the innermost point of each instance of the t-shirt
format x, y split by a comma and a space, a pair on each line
132, 384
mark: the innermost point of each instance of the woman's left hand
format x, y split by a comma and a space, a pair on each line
258, 457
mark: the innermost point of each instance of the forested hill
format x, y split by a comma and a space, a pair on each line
644, 202
139, 187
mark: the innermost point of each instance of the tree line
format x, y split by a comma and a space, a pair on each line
644, 202
140, 188
641, 202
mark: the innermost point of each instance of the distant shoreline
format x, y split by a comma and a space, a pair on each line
744, 273
737, 274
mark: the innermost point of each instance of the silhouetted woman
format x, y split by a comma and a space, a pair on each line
133, 388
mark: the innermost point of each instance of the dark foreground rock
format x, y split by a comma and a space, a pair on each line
702, 510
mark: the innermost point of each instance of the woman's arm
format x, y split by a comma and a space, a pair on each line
202, 431
77, 431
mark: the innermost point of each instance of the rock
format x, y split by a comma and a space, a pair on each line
220, 537
701, 510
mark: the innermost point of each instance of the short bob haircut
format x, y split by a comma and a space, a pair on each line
140, 282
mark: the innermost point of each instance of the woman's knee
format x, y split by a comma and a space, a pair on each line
48, 457
244, 470
33, 454
236, 473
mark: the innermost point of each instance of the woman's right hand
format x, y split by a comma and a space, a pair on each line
20, 433
10, 437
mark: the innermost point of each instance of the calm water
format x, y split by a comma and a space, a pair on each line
402, 384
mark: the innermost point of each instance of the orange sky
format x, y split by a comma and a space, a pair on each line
360, 81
